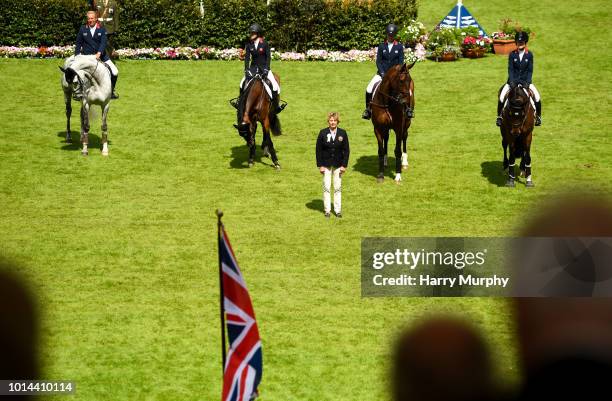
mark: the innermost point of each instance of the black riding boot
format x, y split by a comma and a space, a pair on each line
114, 94
500, 106
367, 113
538, 119
276, 103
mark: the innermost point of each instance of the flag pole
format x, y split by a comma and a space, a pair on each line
221, 297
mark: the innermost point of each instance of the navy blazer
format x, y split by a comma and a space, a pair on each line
257, 59
88, 45
385, 59
332, 153
520, 70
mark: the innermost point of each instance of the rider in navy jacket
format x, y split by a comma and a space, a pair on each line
390, 52
89, 43
257, 61
520, 71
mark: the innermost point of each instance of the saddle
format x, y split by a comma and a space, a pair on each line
529, 94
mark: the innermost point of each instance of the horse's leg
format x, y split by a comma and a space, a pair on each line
398, 156
251, 143
386, 160
105, 109
267, 143
382, 136
505, 147
404, 152
84, 128
511, 170
68, 101
527, 160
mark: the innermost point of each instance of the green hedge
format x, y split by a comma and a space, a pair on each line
290, 24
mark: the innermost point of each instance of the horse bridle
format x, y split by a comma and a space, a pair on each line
81, 87
398, 98
515, 111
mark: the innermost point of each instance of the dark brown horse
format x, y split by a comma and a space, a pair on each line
518, 118
256, 106
391, 103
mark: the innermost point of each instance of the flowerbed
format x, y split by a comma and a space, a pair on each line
207, 53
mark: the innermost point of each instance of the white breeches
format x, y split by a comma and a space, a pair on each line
370, 87
506, 88
275, 86
327, 181
113, 67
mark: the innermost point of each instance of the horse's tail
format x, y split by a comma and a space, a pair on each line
275, 124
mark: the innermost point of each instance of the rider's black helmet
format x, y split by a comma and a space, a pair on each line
391, 30
521, 37
255, 28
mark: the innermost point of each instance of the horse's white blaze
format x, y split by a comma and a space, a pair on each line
398, 177
105, 149
405, 159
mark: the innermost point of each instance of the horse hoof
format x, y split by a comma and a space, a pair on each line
404, 167
251, 163
529, 184
85, 153
277, 167
380, 180
510, 183
104, 153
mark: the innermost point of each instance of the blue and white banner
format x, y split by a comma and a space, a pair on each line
460, 17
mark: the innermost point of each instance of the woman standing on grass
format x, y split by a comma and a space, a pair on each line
332, 158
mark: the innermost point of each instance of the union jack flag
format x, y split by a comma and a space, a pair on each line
243, 365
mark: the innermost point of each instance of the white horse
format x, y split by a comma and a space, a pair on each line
87, 80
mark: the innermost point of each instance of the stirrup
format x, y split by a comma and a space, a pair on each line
538, 121
234, 102
367, 114
281, 106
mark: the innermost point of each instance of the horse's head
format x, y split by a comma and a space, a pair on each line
73, 79
517, 108
398, 84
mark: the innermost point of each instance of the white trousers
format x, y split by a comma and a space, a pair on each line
506, 88
370, 87
275, 86
113, 67
327, 181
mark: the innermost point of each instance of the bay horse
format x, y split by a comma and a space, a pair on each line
392, 100
256, 106
518, 119
87, 80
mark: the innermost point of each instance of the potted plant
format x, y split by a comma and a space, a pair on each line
474, 45
414, 33
443, 44
503, 40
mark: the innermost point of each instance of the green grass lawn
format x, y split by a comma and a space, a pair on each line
122, 250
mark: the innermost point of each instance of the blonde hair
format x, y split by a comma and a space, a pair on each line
333, 114
92, 12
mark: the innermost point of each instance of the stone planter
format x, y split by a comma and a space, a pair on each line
503, 46
473, 52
